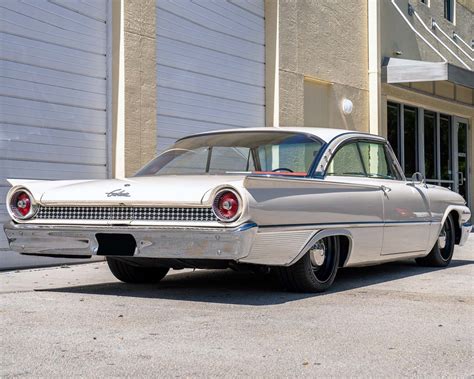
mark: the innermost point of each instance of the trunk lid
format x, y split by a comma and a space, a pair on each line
156, 190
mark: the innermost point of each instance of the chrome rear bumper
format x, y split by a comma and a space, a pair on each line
152, 242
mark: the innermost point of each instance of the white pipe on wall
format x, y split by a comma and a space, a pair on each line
435, 24
464, 42
416, 31
441, 42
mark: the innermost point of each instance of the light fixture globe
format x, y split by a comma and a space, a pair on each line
347, 106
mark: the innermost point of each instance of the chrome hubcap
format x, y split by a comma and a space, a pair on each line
442, 239
317, 254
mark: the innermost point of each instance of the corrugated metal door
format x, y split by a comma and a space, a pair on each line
210, 66
53, 91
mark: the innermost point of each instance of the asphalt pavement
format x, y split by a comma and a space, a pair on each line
391, 320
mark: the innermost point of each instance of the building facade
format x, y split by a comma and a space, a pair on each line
96, 88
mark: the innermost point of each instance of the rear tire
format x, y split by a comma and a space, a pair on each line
129, 273
442, 252
316, 270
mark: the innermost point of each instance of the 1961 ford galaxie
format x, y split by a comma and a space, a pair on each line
303, 201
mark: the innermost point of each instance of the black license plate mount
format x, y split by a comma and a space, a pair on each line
120, 244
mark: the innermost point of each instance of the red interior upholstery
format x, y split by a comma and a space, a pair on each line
279, 173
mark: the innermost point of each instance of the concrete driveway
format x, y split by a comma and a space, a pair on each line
391, 320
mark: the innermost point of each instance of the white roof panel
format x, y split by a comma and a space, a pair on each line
326, 134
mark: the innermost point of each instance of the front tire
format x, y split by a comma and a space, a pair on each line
130, 273
316, 270
442, 252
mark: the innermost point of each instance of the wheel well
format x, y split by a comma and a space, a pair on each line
457, 228
344, 244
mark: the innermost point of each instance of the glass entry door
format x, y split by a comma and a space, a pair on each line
462, 183
438, 149
433, 143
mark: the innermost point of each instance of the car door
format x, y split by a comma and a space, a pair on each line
406, 206
361, 205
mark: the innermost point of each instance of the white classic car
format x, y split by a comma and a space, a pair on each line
303, 201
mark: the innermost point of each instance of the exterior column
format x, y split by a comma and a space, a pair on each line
140, 82
272, 63
375, 61
134, 84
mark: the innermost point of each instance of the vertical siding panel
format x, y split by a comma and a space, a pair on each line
210, 67
53, 95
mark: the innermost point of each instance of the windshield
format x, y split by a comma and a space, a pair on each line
283, 153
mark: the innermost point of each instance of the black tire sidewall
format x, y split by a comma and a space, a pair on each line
439, 256
435, 258
130, 273
300, 277
323, 285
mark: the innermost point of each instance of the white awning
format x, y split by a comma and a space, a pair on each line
396, 70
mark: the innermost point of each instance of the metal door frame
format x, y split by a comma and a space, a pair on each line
456, 120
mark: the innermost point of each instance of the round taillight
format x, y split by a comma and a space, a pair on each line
226, 205
22, 204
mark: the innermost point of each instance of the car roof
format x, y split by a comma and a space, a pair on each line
325, 134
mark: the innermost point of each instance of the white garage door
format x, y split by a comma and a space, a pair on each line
53, 91
210, 66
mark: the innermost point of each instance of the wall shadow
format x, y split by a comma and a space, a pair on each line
247, 288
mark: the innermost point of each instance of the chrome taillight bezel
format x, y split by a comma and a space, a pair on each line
215, 203
13, 210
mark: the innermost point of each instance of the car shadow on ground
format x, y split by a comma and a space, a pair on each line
247, 288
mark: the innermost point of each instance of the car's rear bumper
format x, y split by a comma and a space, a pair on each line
152, 242
465, 231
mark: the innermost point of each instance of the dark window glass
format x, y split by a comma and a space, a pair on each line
445, 147
430, 146
393, 122
375, 160
346, 162
448, 9
411, 136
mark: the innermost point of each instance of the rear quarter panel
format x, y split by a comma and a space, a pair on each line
282, 207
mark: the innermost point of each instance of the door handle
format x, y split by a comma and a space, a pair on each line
385, 189
461, 178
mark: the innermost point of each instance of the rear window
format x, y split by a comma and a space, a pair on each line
282, 153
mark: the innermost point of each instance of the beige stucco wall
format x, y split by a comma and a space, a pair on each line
140, 83
323, 40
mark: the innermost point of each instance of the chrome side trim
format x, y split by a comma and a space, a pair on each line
346, 225
277, 248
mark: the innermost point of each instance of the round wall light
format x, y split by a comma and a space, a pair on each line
347, 106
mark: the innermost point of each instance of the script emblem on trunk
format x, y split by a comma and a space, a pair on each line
118, 193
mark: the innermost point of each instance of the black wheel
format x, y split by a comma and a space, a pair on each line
130, 273
442, 252
316, 270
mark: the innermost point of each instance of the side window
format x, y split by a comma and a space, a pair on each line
346, 162
375, 160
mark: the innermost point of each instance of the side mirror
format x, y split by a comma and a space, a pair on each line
417, 178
